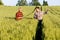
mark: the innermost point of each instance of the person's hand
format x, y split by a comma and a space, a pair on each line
46, 11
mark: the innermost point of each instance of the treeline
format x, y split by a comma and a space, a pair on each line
1, 2
33, 3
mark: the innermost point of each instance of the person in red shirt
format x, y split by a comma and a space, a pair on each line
19, 14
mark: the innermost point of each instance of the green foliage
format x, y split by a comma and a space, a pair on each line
45, 3
25, 29
10, 29
21, 3
35, 3
1, 2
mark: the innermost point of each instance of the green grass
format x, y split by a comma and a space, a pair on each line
25, 29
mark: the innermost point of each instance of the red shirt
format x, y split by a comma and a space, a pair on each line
19, 14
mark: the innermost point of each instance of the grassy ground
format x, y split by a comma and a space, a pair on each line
25, 29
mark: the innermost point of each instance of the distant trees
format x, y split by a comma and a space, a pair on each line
45, 3
21, 3
33, 3
1, 2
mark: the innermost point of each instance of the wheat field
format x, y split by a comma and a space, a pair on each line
25, 29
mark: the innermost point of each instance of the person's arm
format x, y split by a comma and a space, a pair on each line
46, 11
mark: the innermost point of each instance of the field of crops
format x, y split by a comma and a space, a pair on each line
25, 29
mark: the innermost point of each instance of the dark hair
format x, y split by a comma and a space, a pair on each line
37, 7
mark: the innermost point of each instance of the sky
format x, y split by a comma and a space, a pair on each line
14, 2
